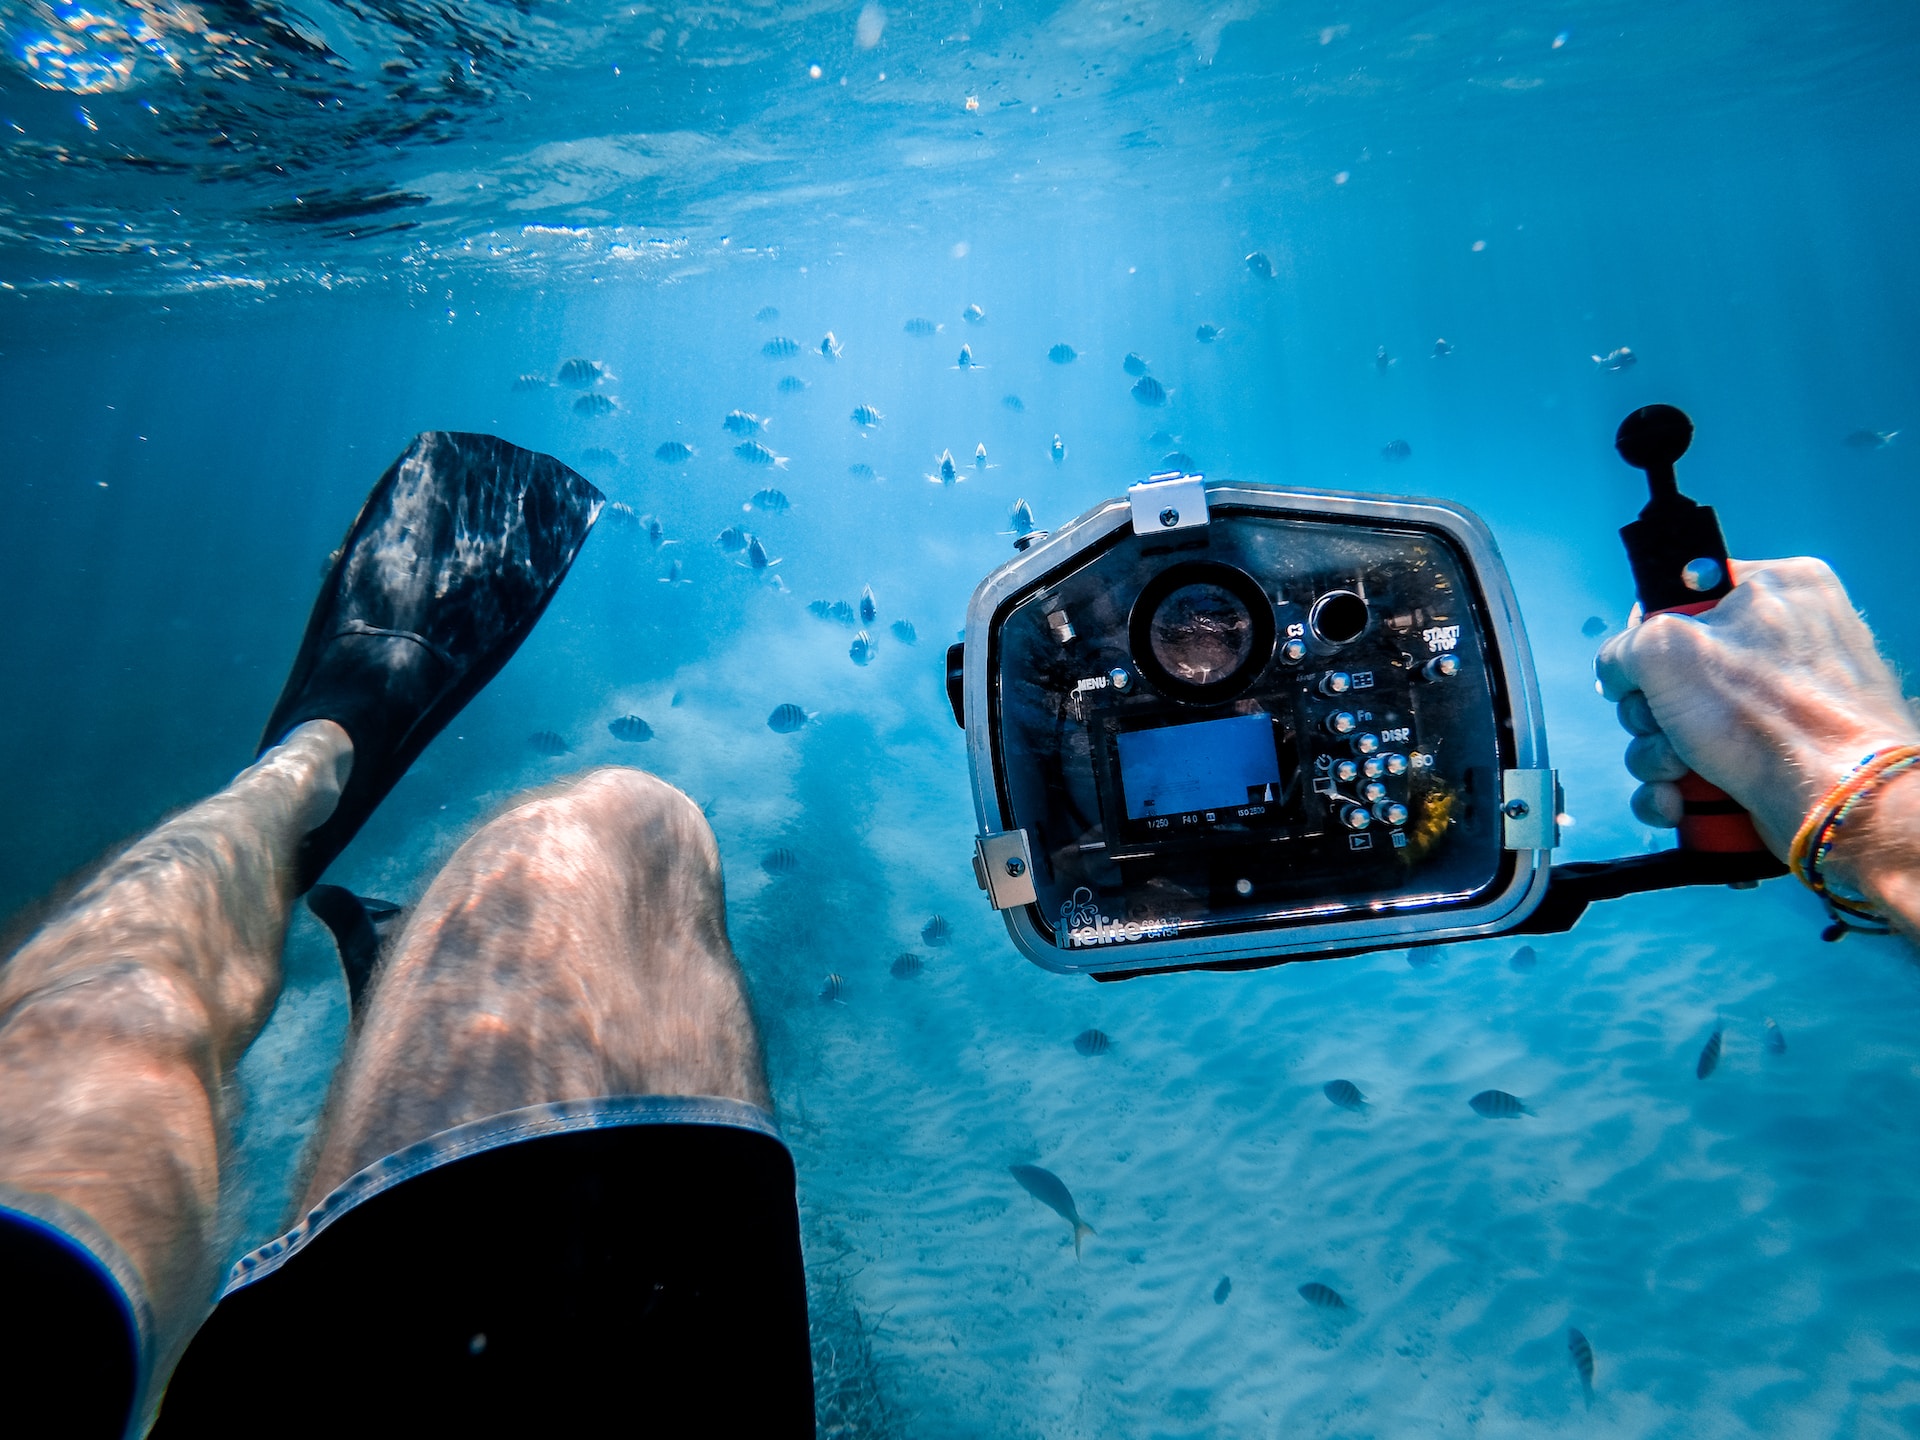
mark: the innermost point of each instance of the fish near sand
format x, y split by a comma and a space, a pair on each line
1092, 1042
1709, 1059
739, 422
1222, 1291
1498, 1105
1046, 1187
904, 632
545, 742
780, 348
1616, 360
1063, 354
1322, 1297
674, 452
1346, 1095
787, 718
1259, 266
1580, 1351
936, 931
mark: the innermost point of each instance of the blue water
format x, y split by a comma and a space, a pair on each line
239, 276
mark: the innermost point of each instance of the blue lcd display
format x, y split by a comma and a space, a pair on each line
1211, 765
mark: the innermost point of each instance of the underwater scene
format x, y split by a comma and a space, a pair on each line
835, 302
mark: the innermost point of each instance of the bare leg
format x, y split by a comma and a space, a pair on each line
121, 1018
575, 947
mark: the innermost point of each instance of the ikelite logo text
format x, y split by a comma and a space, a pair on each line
1083, 924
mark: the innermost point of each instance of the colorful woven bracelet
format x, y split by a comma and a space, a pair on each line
1817, 837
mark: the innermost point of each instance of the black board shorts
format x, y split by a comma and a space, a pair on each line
624, 1267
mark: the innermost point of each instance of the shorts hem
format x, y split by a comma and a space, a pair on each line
558, 1117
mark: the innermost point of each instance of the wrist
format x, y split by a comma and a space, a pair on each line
1877, 857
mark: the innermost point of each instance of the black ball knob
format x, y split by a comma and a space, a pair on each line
1653, 437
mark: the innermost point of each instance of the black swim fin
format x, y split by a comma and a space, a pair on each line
450, 563
361, 926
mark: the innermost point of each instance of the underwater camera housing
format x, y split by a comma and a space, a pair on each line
1232, 725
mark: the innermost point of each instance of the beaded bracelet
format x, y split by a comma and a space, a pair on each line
1819, 833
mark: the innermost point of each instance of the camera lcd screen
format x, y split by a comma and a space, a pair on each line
1211, 765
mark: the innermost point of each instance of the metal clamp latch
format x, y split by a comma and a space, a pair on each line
1530, 808
1003, 867
1168, 502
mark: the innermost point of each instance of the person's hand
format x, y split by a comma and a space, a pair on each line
1773, 695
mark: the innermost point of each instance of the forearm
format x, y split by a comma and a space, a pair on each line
1878, 854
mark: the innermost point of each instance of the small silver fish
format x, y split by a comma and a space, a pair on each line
1222, 1291
780, 348
594, 404
1346, 1095
866, 417
674, 452
906, 966
920, 328
1063, 354
980, 456
1149, 391
829, 347
733, 539
974, 315
754, 453
833, 989
780, 861
739, 422
1059, 450
862, 651
630, 728
1134, 364
766, 314
579, 374
773, 502
788, 718
1776, 1038
1207, 334
756, 557
1092, 1042
1396, 450
791, 385
1581, 1353
1709, 1057
936, 931
869, 606
1047, 1188
1441, 349
904, 632
1498, 1105
1260, 266
1322, 1297
1616, 360
1014, 403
